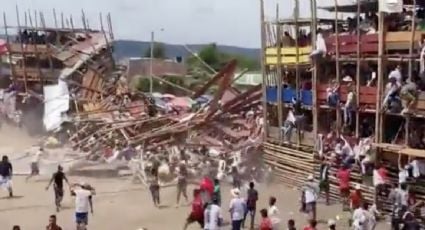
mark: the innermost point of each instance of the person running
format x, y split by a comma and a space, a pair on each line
35, 163
83, 202
324, 179
182, 183
356, 198
217, 191
154, 187
213, 217
273, 213
16, 227
251, 204
266, 223
6, 172
52, 224
57, 180
311, 192
197, 213
237, 209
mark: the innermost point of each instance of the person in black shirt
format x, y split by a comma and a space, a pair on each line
6, 172
251, 204
57, 179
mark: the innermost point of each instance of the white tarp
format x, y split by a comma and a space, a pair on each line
391, 6
56, 103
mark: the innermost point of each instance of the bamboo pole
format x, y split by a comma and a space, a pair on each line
263, 70
279, 73
9, 54
111, 29
381, 68
62, 21
22, 48
36, 50
338, 77
315, 70
358, 63
55, 18
297, 62
411, 47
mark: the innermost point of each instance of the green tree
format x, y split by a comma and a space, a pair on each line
158, 51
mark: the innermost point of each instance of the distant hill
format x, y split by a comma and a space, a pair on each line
128, 48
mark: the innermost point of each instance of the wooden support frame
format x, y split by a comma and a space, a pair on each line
337, 67
358, 64
279, 74
381, 68
313, 9
263, 68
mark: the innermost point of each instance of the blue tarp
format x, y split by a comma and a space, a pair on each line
288, 94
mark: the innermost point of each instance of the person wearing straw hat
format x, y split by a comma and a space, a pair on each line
331, 224
237, 209
310, 192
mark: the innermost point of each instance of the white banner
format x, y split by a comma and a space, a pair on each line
391, 6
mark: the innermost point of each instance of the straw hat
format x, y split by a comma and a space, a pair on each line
235, 192
358, 187
310, 177
331, 222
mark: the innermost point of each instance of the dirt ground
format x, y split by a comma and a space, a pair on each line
120, 204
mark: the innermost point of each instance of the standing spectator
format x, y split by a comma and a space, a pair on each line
343, 176
361, 218
251, 204
6, 172
52, 224
291, 225
356, 198
213, 216
311, 192
312, 225
266, 223
237, 209
273, 213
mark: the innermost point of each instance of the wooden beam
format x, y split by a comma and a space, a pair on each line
338, 71
313, 8
279, 74
263, 70
358, 63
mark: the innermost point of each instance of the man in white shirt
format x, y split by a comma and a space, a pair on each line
396, 73
237, 209
289, 125
350, 106
311, 192
83, 201
213, 216
361, 218
35, 163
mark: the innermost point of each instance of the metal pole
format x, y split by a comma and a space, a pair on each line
151, 63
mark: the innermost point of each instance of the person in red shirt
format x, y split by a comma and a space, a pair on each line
312, 225
343, 176
197, 213
266, 223
356, 198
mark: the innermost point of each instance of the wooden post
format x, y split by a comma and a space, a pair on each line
338, 77
9, 53
36, 51
22, 49
358, 63
279, 74
381, 69
263, 70
111, 30
55, 18
411, 59
297, 62
314, 73
62, 21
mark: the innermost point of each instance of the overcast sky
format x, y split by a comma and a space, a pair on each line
230, 22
